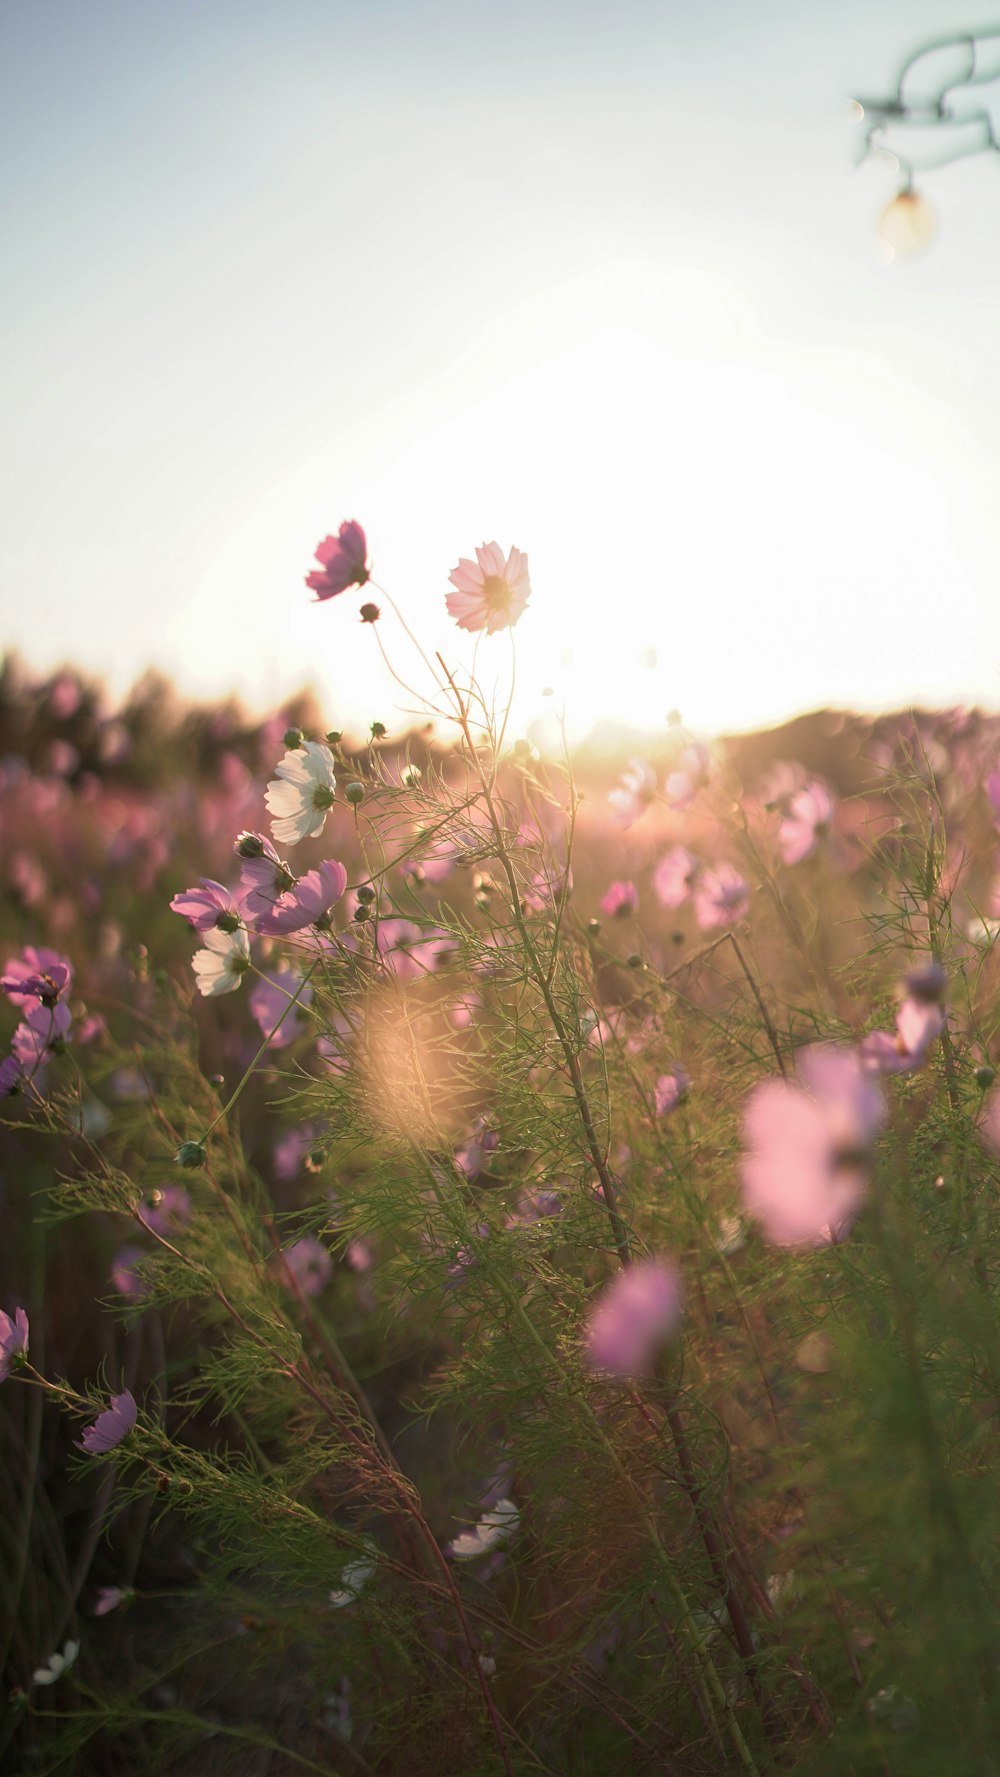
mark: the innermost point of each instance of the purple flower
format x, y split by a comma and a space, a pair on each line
125, 1276
263, 874
10, 1075
13, 1340
634, 1316
306, 903
24, 972
806, 823
272, 995
165, 1210
343, 560
721, 898
207, 906
111, 1426
305, 1266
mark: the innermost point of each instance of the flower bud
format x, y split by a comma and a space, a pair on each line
366, 892
249, 845
985, 1076
354, 793
292, 738
190, 1153
379, 731
593, 926
334, 736
370, 613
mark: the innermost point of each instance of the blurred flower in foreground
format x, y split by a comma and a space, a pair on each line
674, 875
496, 1526
13, 1340
807, 1147
343, 562
305, 1266
670, 1089
491, 595
637, 1313
301, 792
111, 1426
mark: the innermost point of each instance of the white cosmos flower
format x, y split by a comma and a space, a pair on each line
301, 792
494, 1527
354, 1577
58, 1664
221, 966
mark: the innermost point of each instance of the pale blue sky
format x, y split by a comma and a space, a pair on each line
597, 280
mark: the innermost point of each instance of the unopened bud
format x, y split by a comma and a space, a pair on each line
985, 1076
334, 736
190, 1154
249, 845
355, 793
366, 892
379, 731
292, 738
370, 613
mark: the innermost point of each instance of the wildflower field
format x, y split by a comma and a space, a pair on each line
500, 1248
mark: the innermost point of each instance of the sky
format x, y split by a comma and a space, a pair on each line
600, 281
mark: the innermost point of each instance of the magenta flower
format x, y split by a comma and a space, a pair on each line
634, 1316
165, 1210
674, 875
807, 1144
343, 561
111, 1426
670, 1089
307, 903
43, 1031
721, 897
23, 974
10, 1075
806, 823
208, 906
620, 900
491, 592
13, 1340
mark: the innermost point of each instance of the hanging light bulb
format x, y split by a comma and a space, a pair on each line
907, 224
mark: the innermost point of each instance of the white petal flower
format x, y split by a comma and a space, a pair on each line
58, 1664
494, 1528
354, 1577
300, 793
221, 966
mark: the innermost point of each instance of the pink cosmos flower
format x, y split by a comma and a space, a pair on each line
343, 560
921, 1018
291, 1150
306, 1265
491, 592
33, 966
125, 1274
13, 1340
43, 1031
806, 823
109, 1598
721, 897
111, 1426
674, 875
807, 1144
271, 996
620, 900
305, 904
633, 794
633, 1317
264, 876
682, 786
409, 950
670, 1089
165, 1210
10, 1075
207, 906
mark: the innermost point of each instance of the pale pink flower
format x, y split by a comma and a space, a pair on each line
343, 562
807, 1145
10, 1075
806, 823
221, 966
305, 1265
670, 1089
307, 903
920, 1020
43, 1031
491, 592
721, 897
263, 875
165, 1210
13, 1340
409, 950
635, 1315
674, 875
683, 785
111, 1426
301, 793
620, 900
271, 1000
109, 1598
125, 1274
633, 794
208, 906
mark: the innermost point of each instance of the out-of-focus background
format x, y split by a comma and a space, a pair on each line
603, 282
